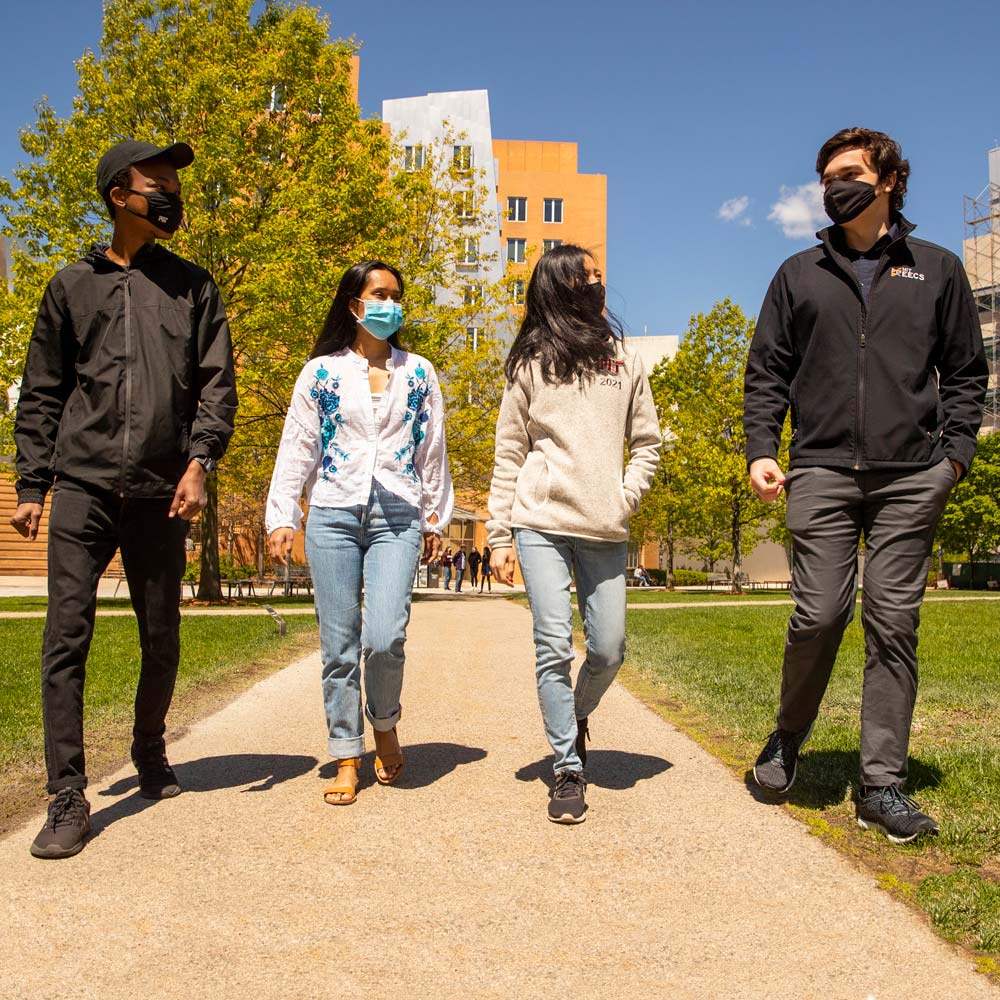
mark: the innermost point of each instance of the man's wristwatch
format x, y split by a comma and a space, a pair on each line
208, 464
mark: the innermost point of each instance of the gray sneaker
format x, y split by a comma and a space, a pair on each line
896, 815
567, 804
66, 826
775, 768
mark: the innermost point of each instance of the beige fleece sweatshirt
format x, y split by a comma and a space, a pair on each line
560, 451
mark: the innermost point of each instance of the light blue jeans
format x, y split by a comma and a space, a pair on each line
377, 545
547, 562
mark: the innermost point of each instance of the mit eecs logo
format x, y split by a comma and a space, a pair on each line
905, 272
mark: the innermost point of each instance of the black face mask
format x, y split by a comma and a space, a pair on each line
846, 200
164, 210
593, 296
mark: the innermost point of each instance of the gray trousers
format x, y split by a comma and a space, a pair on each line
828, 511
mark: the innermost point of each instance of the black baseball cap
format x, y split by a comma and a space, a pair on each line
131, 151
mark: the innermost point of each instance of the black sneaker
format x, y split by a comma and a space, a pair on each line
582, 735
778, 761
895, 814
567, 804
156, 777
66, 826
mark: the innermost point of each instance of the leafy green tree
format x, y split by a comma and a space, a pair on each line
288, 188
971, 520
699, 395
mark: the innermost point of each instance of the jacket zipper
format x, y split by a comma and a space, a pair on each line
128, 382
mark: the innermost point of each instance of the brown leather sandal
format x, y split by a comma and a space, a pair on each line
351, 790
390, 760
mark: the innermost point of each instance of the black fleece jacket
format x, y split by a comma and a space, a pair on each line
129, 377
897, 383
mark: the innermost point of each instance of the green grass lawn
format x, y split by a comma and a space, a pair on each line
716, 673
218, 656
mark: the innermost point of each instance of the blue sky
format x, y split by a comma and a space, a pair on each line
687, 107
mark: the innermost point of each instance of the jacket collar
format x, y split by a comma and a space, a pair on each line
831, 236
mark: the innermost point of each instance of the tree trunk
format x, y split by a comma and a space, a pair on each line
210, 583
737, 538
670, 554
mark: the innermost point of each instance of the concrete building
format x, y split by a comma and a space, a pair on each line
544, 202
536, 197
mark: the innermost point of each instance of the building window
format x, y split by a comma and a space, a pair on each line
517, 291
465, 207
517, 209
515, 250
548, 245
469, 252
472, 295
414, 157
553, 210
277, 98
462, 158
472, 335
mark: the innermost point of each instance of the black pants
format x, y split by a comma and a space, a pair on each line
828, 512
86, 526
473, 574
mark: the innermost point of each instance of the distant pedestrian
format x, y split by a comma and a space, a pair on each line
446, 563
365, 431
487, 571
575, 391
459, 562
871, 339
474, 560
127, 402
641, 577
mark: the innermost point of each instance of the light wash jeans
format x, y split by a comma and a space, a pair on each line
378, 544
599, 569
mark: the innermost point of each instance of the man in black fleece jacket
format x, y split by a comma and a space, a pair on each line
873, 340
127, 401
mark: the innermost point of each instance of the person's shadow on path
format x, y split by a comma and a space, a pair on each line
614, 769
260, 771
423, 764
825, 777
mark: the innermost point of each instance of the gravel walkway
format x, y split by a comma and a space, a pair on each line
453, 884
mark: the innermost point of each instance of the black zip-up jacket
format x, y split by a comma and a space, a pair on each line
898, 383
129, 377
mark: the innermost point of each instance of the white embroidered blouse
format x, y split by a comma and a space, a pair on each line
334, 445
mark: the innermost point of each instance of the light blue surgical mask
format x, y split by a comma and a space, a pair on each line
382, 317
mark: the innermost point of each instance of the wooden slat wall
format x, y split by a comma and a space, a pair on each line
19, 557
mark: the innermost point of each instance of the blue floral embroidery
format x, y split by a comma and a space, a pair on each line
326, 391
416, 413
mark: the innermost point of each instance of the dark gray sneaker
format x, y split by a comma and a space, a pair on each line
66, 826
779, 760
582, 735
895, 814
156, 777
567, 804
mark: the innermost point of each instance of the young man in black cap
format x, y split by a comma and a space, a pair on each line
873, 340
127, 401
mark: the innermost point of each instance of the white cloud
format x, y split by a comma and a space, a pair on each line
734, 210
799, 211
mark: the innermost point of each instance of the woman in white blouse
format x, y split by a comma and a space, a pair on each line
364, 436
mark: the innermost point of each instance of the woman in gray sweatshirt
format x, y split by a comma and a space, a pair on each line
576, 394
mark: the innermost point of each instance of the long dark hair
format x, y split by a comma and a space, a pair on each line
341, 326
560, 328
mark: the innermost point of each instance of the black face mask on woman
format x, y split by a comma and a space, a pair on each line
593, 296
845, 200
164, 209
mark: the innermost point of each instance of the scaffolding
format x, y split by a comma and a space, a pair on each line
982, 264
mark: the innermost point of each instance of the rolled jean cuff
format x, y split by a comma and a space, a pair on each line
383, 725
343, 749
